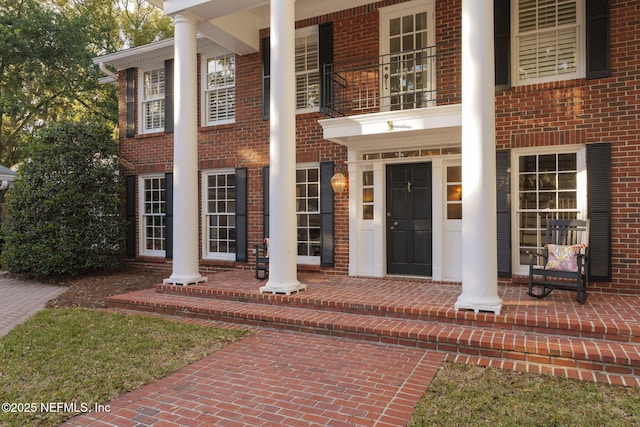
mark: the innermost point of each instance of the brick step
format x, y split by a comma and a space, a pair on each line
558, 324
584, 358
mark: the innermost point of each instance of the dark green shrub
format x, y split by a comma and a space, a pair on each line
63, 212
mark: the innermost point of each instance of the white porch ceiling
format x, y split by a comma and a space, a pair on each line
236, 24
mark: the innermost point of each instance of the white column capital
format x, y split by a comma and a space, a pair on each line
185, 17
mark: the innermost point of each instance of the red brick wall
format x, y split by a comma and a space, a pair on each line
246, 142
571, 112
590, 111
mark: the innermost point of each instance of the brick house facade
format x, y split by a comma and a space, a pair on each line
567, 140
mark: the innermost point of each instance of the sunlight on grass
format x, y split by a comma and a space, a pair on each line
463, 395
87, 357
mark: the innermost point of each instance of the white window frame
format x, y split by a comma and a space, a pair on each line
368, 196
143, 215
308, 259
157, 96
401, 59
453, 191
580, 46
581, 194
206, 214
307, 73
227, 87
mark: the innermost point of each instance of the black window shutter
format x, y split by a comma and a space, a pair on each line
168, 95
130, 208
502, 43
131, 102
327, 225
265, 201
168, 212
266, 77
325, 55
503, 211
599, 210
598, 39
241, 215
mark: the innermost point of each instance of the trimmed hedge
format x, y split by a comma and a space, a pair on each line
64, 209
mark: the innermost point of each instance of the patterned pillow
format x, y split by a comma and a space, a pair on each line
563, 258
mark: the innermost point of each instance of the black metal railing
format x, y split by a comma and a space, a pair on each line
398, 81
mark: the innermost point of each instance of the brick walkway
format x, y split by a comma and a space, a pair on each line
279, 378
21, 300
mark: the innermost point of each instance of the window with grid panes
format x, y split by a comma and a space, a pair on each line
220, 214
153, 87
308, 212
408, 73
547, 189
454, 192
153, 216
367, 195
548, 40
307, 70
221, 89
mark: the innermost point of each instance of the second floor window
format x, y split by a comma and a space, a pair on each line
548, 40
153, 88
307, 70
220, 95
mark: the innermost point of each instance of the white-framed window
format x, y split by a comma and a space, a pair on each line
153, 230
307, 70
548, 183
408, 60
548, 40
308, 213
219, 207
367, 195
152, 87
220, 89
454, 192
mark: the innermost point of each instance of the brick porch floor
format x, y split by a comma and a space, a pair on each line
360, 351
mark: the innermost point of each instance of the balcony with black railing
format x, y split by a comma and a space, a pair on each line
407, 80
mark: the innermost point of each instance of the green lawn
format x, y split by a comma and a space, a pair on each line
86, 357
463, 395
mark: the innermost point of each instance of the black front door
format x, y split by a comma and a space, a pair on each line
408, 221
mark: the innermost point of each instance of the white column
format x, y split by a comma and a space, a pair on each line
185, 155
282, 170
479, 241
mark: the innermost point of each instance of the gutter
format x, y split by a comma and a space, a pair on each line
106, 71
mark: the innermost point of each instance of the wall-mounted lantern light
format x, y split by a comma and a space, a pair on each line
339, 182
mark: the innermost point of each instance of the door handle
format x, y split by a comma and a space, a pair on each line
395, 223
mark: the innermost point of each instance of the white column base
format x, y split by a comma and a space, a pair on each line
489, 304
184, 280
283, 288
